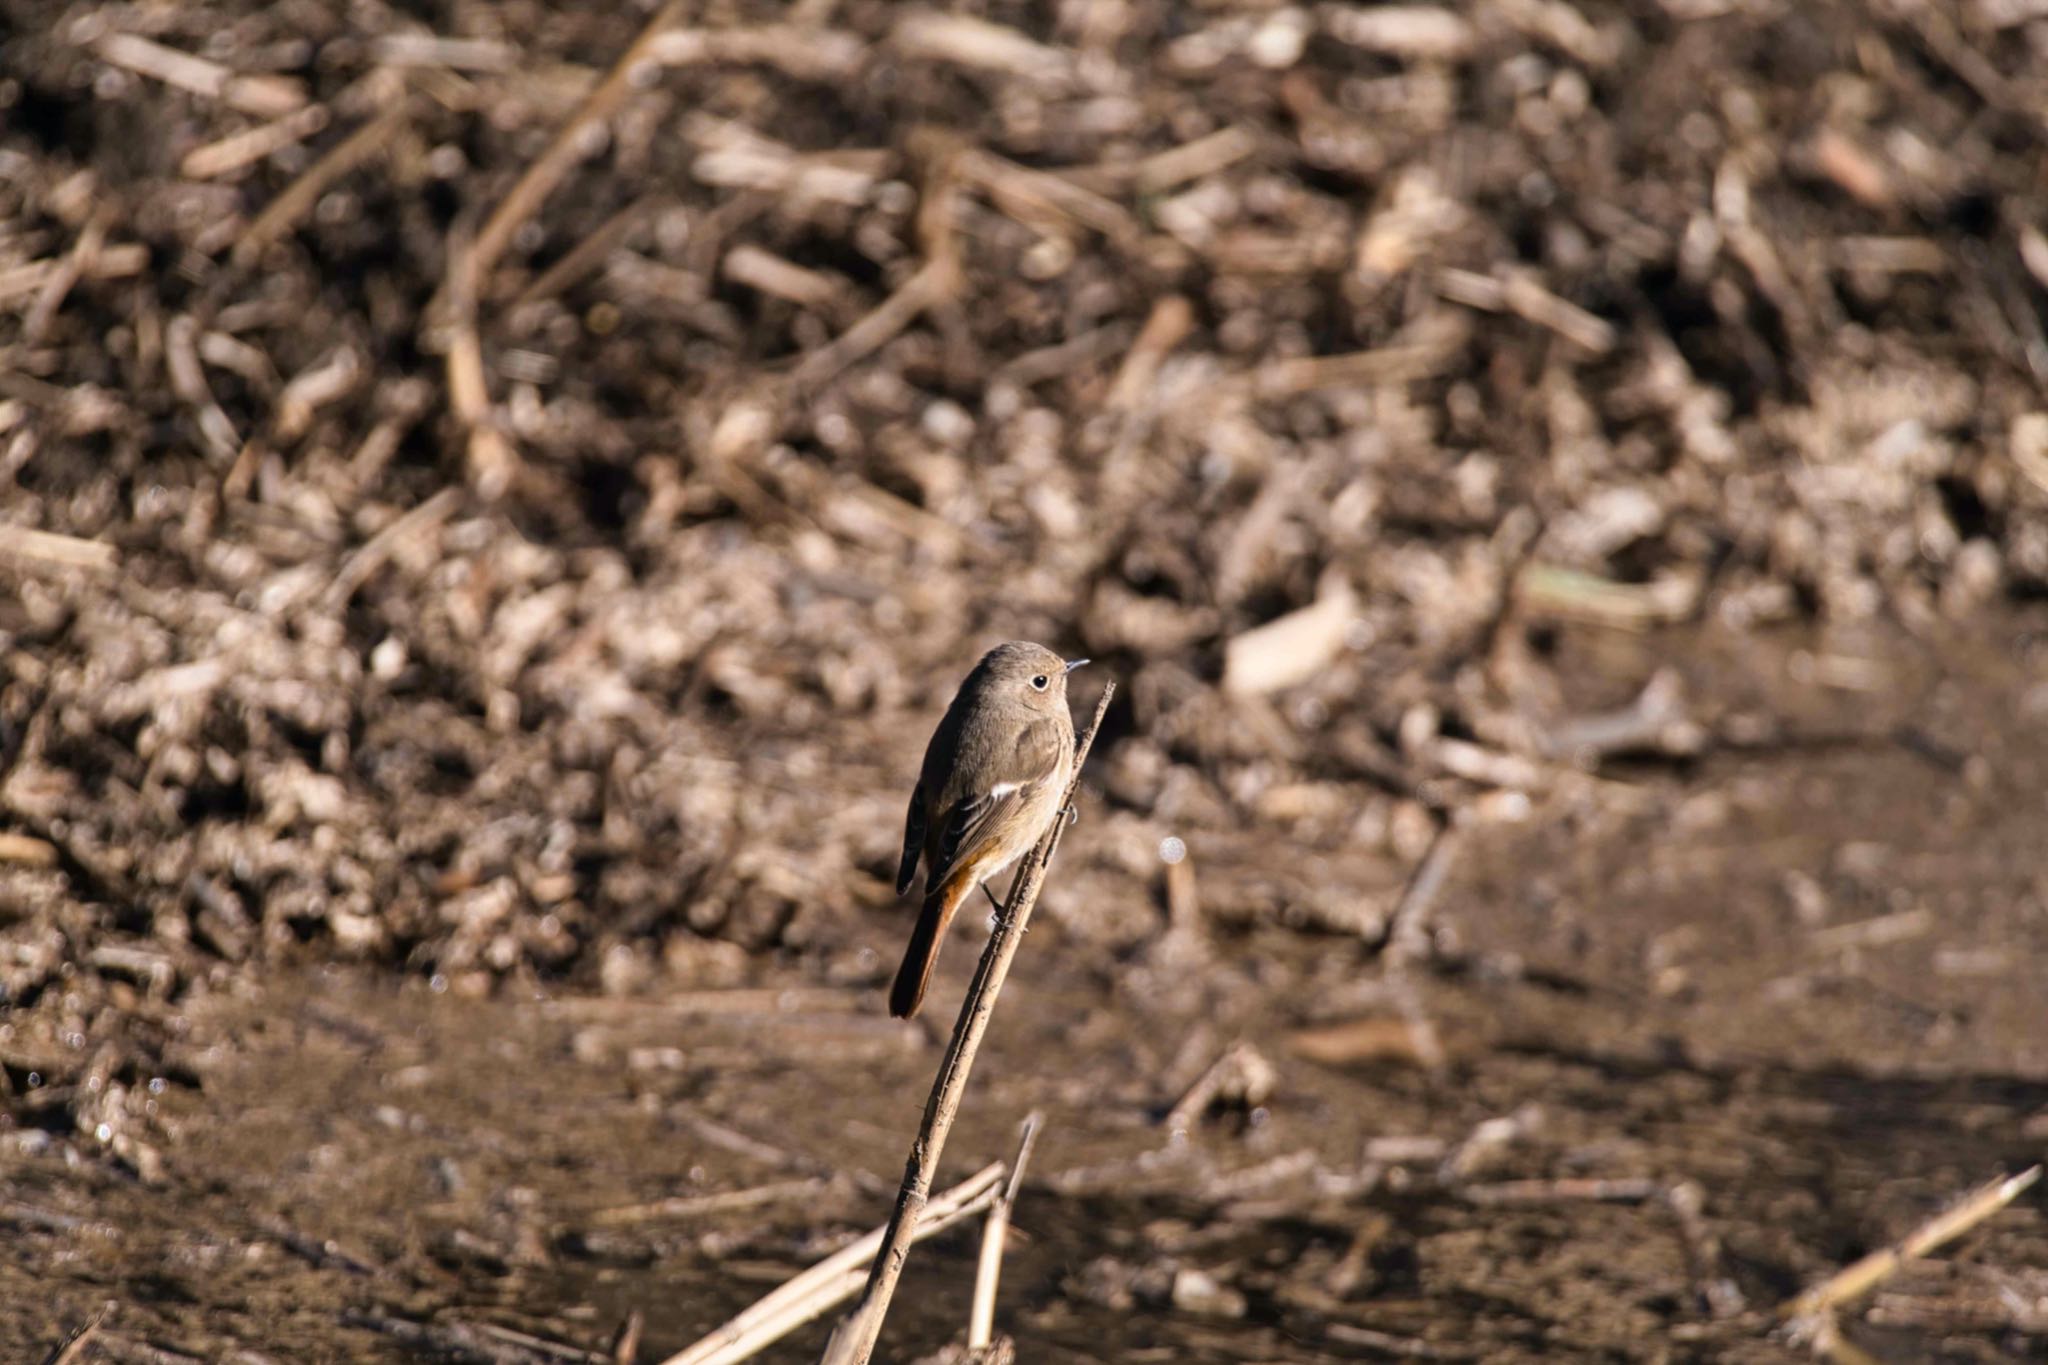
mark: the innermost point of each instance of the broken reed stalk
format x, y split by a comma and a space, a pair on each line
981, 1318
854, 1341
1879, 1266
803, 1297
73, 1347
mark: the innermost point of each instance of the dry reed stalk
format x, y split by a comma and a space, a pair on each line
836, 1277
854, 1342
1862, 1276
981, 1317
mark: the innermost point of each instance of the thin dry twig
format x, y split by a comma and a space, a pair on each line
473, 1340
361, 566
1166, 326
1408, 936
854, 1342
299, 197
805, 51
588, 254
567, 149
1387, 1343
976, 43
27, 849
1033, 195
735, 156
73, 1348
236, 150
1862, 1276
1291, 649
933, 282
76, 265
1830, 1344
493, 463
1657, 719
404, 403
434, 49
1687, 1201
115, 261
263, 96
1552, 590
1205, 156
1573, 1190
829, 296
1422, 349
626, 1343
188, 382
47, 550
1517, 292
1242, 1072
323, 382
995, 1228
723, 1201
833, 1279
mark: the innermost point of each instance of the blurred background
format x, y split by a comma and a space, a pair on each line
493, 499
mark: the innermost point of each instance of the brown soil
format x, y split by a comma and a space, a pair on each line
455, 714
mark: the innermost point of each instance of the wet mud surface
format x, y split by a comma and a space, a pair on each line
1684, 1043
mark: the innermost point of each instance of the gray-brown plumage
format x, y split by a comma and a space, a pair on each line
993, 777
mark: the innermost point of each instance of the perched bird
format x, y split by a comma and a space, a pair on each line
994, 774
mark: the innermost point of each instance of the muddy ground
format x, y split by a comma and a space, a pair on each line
493, 499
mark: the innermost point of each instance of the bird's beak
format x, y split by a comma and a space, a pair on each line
1073, 664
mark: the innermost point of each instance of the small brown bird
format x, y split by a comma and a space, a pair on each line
993, 777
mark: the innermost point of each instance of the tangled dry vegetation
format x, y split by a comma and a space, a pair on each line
499, 499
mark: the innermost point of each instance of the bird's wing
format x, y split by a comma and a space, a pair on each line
913, 840
976, 817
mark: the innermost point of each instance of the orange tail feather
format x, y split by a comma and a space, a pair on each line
916, 972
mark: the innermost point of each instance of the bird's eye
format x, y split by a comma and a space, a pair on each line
1039, 682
